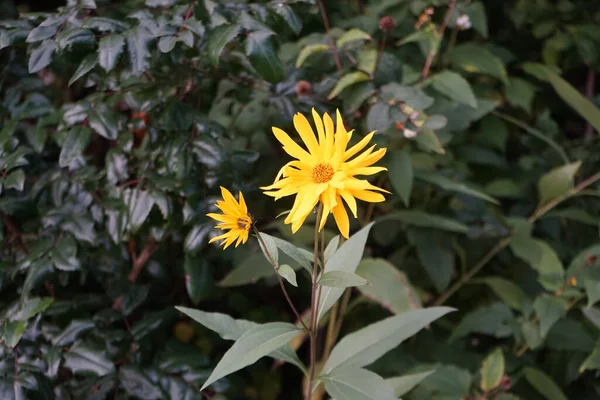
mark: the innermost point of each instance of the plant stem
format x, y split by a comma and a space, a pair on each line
336, 56
432, 53
313, 308
281, 284
381, 48
506, 241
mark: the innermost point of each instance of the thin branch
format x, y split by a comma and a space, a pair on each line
506, 241
187, 16
590, 89
336, 56
432, 53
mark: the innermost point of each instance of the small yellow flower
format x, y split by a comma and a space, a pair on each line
325, 173
235, 219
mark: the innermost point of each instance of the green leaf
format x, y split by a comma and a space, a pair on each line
72, 332
71, 36
351, 36
15, 180
198, 277
13, 330
368, 344
196, 237
287, 273
331, 248
520, 93
454, 86
42, 32
167, 43
260, 50
435, 253
541, 257
495, 320
492, 371
341, 279
450, 185
232, 329
477, 15
104, 121
575, 214
568, 93
428, 140
139, 385
543, 384
251, 346
110, 48
345, 259
400, 172
592, 361
308, 51
592, 314
511, 294
289, 16
347, 80
549, 310
557, 182
270, 249
424, 219
301, 256
86, 66
33, 306
367, 60
404, 384
378, 117
357, 384
137, 47
76, 141
7, 38
82, 358
64, 255
477, 59
389, 286
218, 39
41, 56
139, 203
448, 382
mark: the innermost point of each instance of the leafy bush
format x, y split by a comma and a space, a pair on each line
120, 120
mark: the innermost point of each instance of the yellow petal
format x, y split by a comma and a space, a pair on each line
243, 207
367, 170
370, 197
329, 201
351, 201
358, 146
228, 197
319, 125
341, 219
329, 135
306, 133
222, 217
291, 147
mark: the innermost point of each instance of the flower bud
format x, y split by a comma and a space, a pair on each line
387, 23
303, 88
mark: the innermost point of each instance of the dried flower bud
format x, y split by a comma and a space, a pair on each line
387, 23
400, 125
573, 281
303, 88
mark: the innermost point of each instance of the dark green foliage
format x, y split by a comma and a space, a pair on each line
120, 119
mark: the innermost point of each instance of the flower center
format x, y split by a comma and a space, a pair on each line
244, 222
322, 173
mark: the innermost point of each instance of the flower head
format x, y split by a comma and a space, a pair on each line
235, 219
326, 171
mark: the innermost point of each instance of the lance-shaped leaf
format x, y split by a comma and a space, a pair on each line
251, 346
357, 384
260, 50
368, 344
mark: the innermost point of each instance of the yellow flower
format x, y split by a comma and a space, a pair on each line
235, 219
325, 173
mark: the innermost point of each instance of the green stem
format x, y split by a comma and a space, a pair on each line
313, 308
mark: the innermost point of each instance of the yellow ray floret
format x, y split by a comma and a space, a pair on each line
325, 171
235, 219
